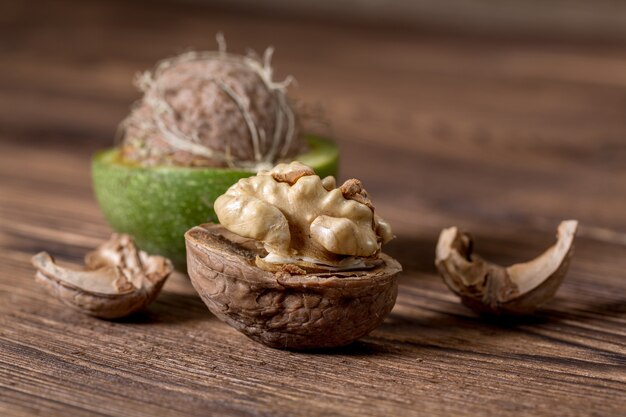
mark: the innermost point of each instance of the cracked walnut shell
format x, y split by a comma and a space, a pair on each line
285, 309
489, 288
118, 279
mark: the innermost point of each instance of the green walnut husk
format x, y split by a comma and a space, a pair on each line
157, 205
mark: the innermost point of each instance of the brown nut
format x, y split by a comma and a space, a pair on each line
212, 108
489, 288
286, 309
118, 279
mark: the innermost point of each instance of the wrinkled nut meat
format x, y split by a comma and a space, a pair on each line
489, 288
296, 262
305, 221
118, 279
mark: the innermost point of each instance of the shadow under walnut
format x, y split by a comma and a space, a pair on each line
281, 310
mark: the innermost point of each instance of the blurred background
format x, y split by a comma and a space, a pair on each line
603, 19
474, 109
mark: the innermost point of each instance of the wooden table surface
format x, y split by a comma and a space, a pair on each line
502, 138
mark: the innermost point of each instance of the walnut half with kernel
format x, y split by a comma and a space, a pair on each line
296, 263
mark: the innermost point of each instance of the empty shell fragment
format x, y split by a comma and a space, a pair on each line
118, 279
489, 288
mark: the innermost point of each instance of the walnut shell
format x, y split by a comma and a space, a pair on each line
281, 310
118, 279
489, 288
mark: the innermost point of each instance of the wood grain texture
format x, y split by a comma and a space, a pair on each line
504, 139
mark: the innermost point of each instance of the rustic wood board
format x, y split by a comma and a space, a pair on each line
502, 138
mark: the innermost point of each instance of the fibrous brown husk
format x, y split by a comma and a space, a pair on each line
285, 310
212, 109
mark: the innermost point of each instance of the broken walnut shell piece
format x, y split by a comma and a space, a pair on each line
286, 309
489, 288
118, 279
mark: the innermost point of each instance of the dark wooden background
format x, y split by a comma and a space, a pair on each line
502, 137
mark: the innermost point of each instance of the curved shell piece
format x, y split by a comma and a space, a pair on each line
285, 310
489, 288
118, 279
